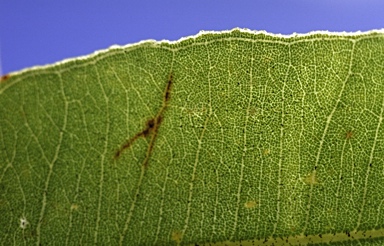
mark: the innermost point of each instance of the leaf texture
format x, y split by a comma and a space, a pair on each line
230, 138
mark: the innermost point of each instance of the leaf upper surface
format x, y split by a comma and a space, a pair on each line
235, 137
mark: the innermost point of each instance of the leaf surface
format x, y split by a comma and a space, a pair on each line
236, 137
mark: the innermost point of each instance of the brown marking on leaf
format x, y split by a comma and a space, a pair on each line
151, 128
150, 123
130, 141
349, 134
168, 89
4, 77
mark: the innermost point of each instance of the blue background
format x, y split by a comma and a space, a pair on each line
39, 32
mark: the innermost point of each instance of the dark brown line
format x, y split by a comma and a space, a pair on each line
152, 127
129, 143
151, 144
168, 89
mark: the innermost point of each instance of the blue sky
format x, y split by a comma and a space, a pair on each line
40, 32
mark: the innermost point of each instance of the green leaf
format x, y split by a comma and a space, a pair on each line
235, 137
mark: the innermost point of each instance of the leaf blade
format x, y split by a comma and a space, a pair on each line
262, 137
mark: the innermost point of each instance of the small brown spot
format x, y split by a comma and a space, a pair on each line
4, 77
150, 123
117, 154
177, 236
250, 204
349, 134
74, 207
